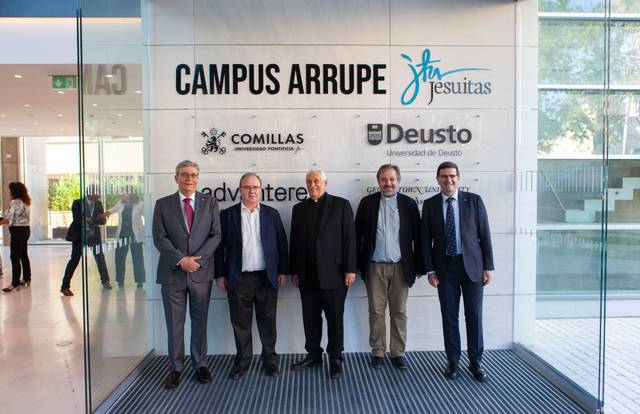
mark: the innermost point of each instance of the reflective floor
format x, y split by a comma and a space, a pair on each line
41, 342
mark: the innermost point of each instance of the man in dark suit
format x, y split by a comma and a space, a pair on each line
456, 247
186, 232
388, 242
252, 262
90, 210
323, 266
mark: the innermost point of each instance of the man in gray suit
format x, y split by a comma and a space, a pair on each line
186, 232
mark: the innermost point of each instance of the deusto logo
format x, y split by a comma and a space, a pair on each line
251, 141
395, 134
431, 73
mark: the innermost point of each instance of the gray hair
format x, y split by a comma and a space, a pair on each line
386, 167
249, 174
323, 176
187, 163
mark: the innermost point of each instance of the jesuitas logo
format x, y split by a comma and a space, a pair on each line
428, 72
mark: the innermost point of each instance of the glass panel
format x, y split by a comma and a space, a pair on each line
570, 123
591, 6
118, 311
570, 52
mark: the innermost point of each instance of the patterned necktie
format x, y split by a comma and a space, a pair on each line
450, 228
188, 211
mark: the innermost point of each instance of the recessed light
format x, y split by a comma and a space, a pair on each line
61, 129
2, 115
61, 92
138, 91
26, 105
119, 114
94, 104
17, 76
14, 129
60, 115
108, 76
139, 122
35, 123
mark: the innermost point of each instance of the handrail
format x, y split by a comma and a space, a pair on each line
553, 190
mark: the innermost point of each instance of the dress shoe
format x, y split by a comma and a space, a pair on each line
335, 369
172, 381
451, 371
307, 362
376, 362
237, 372
479, 373
271, 370
202, 375
66, 292
400, 362
11, 288
107, 286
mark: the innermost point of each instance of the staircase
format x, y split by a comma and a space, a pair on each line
592, 208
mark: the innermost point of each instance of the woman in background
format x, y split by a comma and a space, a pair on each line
17, 218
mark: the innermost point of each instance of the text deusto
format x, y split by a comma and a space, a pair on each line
307, 79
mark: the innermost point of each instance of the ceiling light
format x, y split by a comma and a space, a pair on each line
108, 76
61, 129
119, 114
2, 115
138, 91
14, 129
60, 115
139, 122
94, 104
61, 92
35, 123
17, 76
26, 105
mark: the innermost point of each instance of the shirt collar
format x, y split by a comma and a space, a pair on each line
384, 198
446, 197
243, 208
182, 197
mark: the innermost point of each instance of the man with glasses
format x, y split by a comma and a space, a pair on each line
458, 257
186, 232
251, 264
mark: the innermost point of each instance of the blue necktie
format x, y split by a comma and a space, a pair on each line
450, 229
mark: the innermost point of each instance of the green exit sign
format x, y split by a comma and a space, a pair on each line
64, 82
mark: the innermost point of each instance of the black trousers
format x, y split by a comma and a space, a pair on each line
137, 257
19, 255
76, 255
254, 290
454, 281
314, 302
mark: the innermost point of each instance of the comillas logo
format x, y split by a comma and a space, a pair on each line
428, 72
252, 141
396, 133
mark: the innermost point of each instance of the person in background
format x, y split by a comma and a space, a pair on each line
90, 209
130, 236
17, 218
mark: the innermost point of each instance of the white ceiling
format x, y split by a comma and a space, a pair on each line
49, 113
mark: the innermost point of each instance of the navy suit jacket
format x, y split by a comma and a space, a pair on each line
477, 253
367, 226
274, 245
93, 236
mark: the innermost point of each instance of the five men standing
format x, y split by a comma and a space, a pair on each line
389, 245
388, 241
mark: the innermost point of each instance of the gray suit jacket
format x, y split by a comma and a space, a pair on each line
173, 240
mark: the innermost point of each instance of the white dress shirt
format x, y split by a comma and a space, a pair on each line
252, 253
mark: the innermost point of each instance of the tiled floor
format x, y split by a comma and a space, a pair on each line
571, 346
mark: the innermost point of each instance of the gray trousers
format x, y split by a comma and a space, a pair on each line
386, 284
174, 300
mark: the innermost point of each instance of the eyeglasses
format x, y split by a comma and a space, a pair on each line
250, 187
185, 175
451, 177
